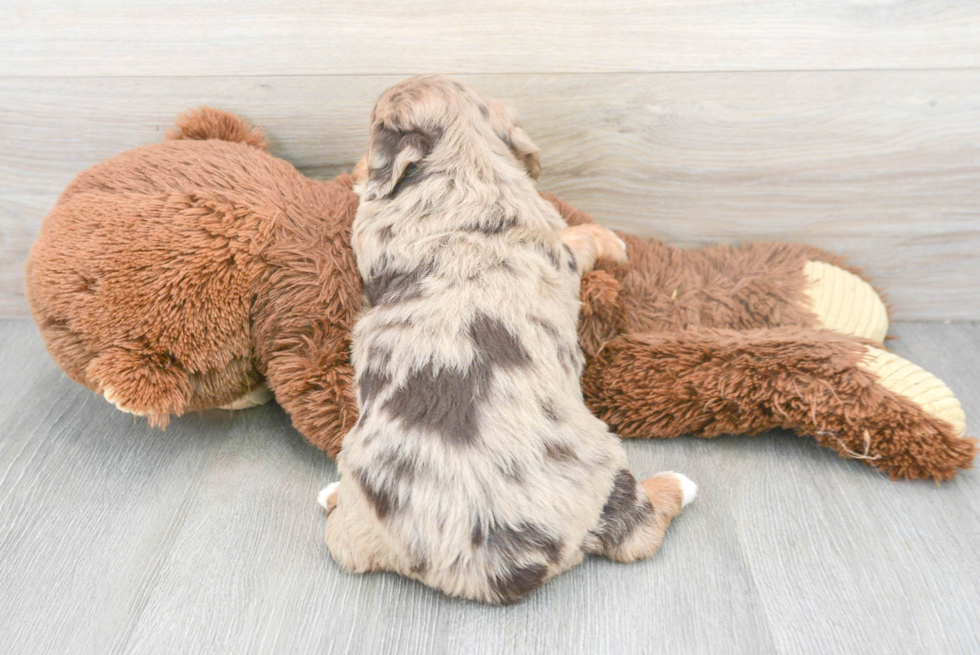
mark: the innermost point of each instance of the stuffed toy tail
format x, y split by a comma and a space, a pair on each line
208, 123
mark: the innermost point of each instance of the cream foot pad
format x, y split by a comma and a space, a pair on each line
918, 385
260, 395
110, 394
844, 303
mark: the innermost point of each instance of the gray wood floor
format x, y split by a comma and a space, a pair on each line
115, 538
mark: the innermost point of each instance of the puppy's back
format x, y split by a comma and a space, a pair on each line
477, 465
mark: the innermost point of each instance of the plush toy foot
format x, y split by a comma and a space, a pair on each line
112, 396
260, 395
917, 430
148, 385
906, 379
844, 303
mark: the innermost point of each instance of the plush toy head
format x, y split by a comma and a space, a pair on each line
178, 276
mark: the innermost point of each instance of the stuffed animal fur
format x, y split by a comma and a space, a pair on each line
194, 273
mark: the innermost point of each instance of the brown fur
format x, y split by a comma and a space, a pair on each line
182, 273
711, 382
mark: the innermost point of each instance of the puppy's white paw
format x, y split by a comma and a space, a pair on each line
689, 488
324, 495
610, 245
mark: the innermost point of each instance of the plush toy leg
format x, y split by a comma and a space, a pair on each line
906, 379
860, 401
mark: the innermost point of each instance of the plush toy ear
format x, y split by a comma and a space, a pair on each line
391, 153
524, 149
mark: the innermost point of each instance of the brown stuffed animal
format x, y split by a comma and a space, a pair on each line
182, 276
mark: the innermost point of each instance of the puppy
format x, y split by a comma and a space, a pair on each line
475, 466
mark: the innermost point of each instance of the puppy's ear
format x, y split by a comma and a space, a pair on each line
391, 153
524, 149
508, 128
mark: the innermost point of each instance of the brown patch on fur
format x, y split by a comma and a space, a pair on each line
548, 408
391, 287
381, 496
512, 543
446, 401
332, 500
559, 452
665, 495
496, 345
623, 512
519, 581
517, 544
442, 401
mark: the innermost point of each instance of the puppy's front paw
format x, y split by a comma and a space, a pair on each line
610, 245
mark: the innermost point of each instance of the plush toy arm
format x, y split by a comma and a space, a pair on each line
303, 312
756, 285
858, 400
303, 337
316, 390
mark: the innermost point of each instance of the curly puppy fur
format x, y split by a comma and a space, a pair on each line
475, 466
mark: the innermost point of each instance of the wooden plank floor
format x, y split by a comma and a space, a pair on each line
115, 538
252, 37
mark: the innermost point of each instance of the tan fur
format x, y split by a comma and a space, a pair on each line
250, 275
476, 467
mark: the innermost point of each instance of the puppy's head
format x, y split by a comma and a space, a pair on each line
426, 113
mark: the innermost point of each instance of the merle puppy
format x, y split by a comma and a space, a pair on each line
475, 466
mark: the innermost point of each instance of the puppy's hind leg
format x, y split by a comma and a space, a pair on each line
637, 515
327, 498
352, 534
590, 242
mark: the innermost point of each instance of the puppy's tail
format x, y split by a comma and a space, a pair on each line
209, 123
